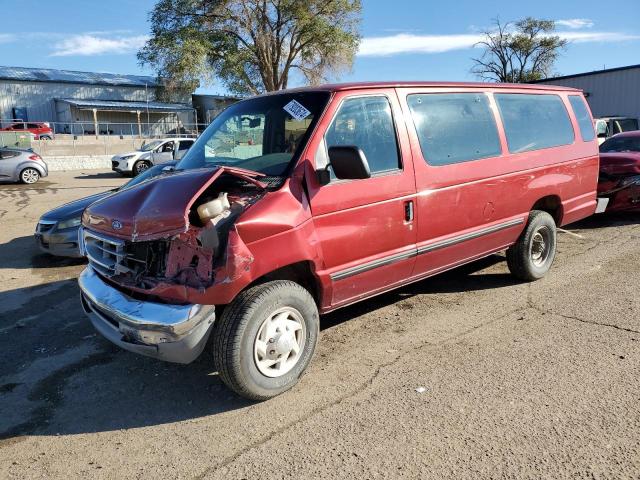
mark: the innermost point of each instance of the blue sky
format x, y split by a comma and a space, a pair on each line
402, 39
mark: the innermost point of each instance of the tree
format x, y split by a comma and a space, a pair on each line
252, 46
518, 52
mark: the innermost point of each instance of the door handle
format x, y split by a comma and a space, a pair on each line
408, 211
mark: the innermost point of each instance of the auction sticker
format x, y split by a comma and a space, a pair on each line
296, 110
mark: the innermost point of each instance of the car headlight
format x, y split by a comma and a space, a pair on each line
74, 222
127, 157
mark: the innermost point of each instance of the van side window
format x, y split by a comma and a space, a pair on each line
455, 127
584, 119
366, 122
533, 122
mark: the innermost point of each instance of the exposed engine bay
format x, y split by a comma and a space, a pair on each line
207, 251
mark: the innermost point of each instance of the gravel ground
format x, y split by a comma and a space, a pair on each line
518, 380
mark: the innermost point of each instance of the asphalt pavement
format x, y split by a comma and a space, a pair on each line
469, 374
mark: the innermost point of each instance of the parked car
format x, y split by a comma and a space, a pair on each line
40, 130
620, 172
18, 165
609, 126
57, 230
153, 153
328, 196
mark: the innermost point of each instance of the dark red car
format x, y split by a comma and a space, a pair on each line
41, 130
620, 172
296, 203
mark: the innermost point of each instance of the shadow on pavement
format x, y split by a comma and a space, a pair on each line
84, 176
23, 253
88, 385
606, 220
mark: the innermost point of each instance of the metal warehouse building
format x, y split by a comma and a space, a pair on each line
610, 92
85, 102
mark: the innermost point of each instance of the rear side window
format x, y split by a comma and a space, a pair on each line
185, 145
366, 122
533, 122
454, 128
584, 119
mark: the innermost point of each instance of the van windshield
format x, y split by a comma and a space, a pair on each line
264, 134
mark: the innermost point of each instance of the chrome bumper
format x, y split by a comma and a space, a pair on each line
174, 333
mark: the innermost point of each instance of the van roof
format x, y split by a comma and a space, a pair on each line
336, 87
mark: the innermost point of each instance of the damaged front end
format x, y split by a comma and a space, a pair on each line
180, 241
157, 249
619, 181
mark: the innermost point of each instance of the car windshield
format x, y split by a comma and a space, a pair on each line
147, 147
621, 144
264, 134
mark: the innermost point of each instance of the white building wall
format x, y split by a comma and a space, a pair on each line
609, 93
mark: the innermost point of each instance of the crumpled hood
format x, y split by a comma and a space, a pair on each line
623, 163
157, 208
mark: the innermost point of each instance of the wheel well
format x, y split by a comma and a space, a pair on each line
300, 272
552, 205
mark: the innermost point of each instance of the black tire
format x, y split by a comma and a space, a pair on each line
45, 137
29, 176
530, 258
139, 167
239, 326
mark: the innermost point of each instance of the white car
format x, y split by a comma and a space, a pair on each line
152, 153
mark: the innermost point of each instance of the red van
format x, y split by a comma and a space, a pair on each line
296, 203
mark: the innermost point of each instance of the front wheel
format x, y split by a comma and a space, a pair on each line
530, 258
265, 339
140, 166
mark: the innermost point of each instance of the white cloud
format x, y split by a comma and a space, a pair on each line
7, 37
583, 37
409, 43
575, 23
85, 44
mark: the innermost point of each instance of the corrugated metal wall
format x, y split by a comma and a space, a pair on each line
610, 93
38, 97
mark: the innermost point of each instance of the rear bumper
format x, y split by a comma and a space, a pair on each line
173, 333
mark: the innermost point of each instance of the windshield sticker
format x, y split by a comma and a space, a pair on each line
296, 110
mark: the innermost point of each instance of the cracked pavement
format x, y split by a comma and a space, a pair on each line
520, 380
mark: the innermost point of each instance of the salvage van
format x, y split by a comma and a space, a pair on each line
296, 203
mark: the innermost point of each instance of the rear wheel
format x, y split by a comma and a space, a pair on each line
45, 137
530, 258
29, 175
140, 166
265, 339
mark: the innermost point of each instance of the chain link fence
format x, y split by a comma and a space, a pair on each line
81, 138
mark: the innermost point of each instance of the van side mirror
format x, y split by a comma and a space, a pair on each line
347, 163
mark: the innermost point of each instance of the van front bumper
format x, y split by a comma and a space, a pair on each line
173, 333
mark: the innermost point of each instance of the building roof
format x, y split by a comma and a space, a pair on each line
125, 106
24, 74
594, 72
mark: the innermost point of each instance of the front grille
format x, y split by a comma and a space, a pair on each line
114, 163
106, 255
112, 256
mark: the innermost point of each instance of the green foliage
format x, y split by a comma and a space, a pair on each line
252, 46
518, 52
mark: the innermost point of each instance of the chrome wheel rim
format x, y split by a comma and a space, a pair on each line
279, 343
540, 246
30, 176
